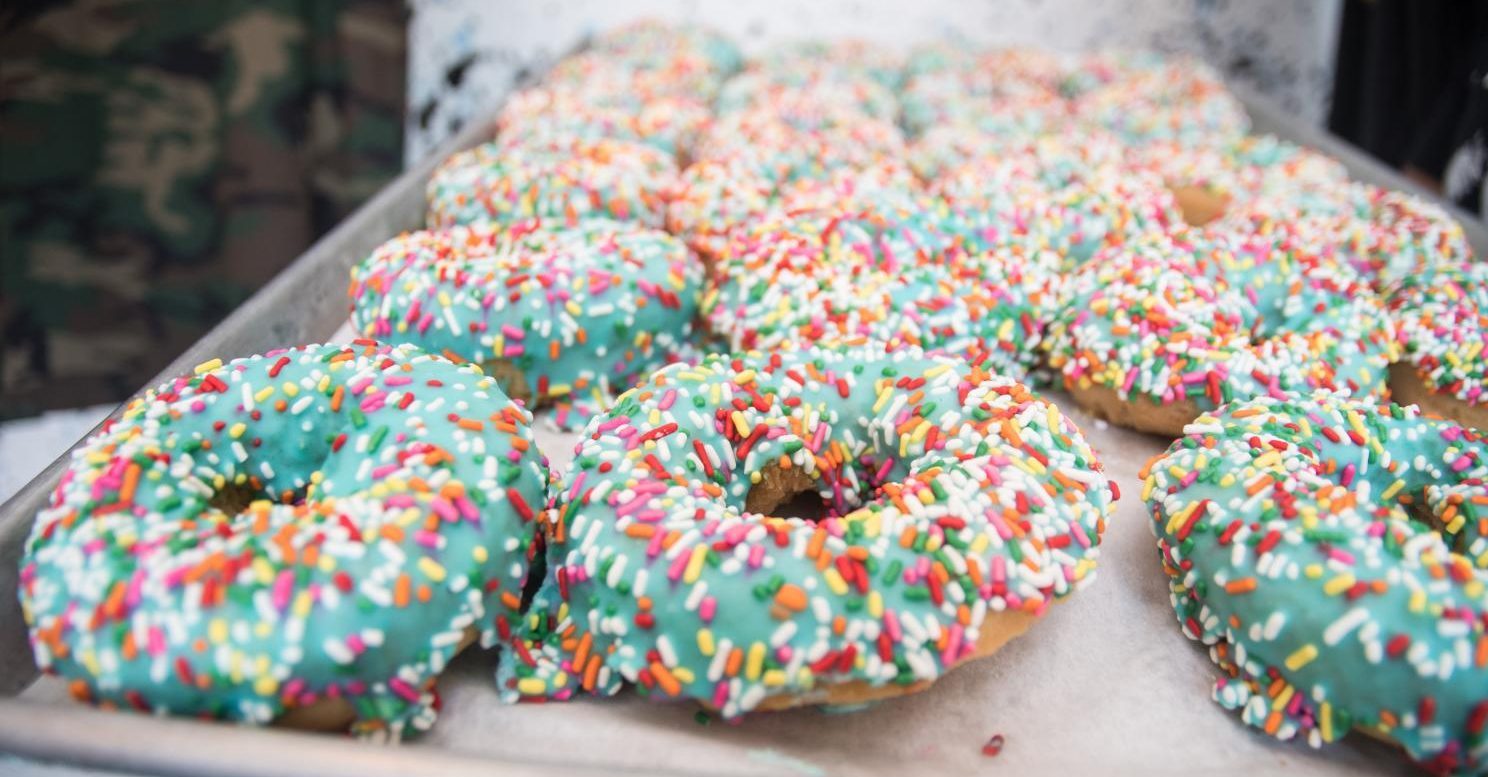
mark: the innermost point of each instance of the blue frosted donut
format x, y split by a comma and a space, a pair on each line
1333, 554
558, 315
960, 506
314, 531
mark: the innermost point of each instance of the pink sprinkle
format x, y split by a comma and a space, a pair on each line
283, 585
679, 565
707, 609
155, 642
891, 626
403, 689
444, 509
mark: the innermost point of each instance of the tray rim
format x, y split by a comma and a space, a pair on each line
45, 732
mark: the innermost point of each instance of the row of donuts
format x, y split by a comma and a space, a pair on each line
800, 139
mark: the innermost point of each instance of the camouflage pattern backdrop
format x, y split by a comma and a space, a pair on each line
161, 159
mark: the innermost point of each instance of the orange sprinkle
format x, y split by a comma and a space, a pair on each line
402, 589
1242, 586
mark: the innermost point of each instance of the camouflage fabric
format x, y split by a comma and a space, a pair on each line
162, 159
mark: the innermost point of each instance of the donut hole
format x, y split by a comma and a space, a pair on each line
1199, 205
787, 493
235, 497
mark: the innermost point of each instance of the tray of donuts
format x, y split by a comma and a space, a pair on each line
827, 410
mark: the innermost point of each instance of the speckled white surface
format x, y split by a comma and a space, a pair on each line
464, 54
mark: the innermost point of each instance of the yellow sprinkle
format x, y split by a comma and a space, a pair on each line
744, 378
1389, 493
531, 686
431, 569
1338, 584
1325, 721
754, 662
1313, 571
208, 366
740, 424
835, 581
875, 604
705, 642
1281, 700
265, 685
775, 677
1302, 657
263, 394
479, 554
695, 564
236, 430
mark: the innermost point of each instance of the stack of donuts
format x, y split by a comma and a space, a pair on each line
809, 316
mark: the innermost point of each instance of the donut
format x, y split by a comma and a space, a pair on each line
306, 536
1330, 552
944, 100
1171, 325
650, 60
805, 94
958, 507
1054, 159
1010, 93
1208, 180
1386, 235
793, 152
846, 58
565, 178
604, 110
652, 43
834, 277
1159, 99
996, 203
556, 314
1442, 318
715, 196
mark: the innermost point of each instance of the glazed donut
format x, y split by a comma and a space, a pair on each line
1443, 322
959, 506
1170, 325
1330, 552
564, 178
840, 277
305, 536
557, 315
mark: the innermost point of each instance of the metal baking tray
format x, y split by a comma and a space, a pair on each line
1106, 683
